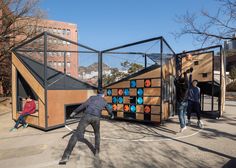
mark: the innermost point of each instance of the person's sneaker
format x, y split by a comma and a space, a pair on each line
26, 125
13, 130
182, 129
200, 124
188, 123
63, 160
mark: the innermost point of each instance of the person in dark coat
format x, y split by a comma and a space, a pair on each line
194, 101
181, 84
93, 107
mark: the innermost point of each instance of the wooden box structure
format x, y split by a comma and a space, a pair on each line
143, 92
54, 92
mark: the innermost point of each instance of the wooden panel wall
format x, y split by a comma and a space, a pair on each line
205, 65
14, 92
33, 83
57, 100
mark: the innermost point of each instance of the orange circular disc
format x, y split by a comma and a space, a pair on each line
147, 83
126, 107
120, 92
147, 109
114, 107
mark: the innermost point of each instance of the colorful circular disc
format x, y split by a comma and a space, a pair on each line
133, 108
120, 100
147, 109
140, 100
114, 100
109, 92
114, 107
126, 92
109, 106
133, 83
120, 92
147, 83
126, 107
140, 92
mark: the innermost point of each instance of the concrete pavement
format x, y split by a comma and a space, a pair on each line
124, 144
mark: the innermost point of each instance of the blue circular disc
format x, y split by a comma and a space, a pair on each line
133, 108
133, 83
126, 92
140, 92
109, 92
120, 100
114, 100
140, 100
110, 106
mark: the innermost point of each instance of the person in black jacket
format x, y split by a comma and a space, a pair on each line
93, 107
181, 84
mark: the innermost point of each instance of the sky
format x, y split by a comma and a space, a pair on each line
104, 24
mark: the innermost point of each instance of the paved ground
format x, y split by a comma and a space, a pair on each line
124, 145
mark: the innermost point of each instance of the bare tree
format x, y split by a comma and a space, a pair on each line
18, 22
209, 28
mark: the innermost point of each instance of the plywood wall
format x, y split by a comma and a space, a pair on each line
56, 100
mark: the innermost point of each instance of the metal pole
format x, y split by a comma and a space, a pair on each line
161, 47
212, 84
64, 69
100, 70
45, 77
145, 60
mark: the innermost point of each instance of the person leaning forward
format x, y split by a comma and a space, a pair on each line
93, 108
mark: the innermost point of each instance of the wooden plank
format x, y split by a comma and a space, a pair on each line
156, 82
41, 114
139, 116
139, 108
152, 91
155, 118
34, 120
114, 92
123, 84
140, 83
133, 92
33, 83
151, 74
104, 113
155, 109
120, 107
151, 100
108, 99
126, 99
165, 110
120, 114
14, 101
57, 100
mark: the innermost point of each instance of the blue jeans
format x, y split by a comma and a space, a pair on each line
21, 120
182, 111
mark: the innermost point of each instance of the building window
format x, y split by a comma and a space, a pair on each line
50, 53
68, 31
59, 63
68, 43
68, 73
64, 32
55, 63
68, 64
54, 31
55, 41
68, 54
63, 64
64, 42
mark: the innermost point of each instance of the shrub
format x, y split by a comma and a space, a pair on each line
231, 87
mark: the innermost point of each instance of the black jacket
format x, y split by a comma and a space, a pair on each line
94, 106
181, 85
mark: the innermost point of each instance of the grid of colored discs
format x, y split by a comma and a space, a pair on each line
147, 109
114, 100
109, 92
133, 108
147, 83
126, 92
133, 83
120, 92
126, 107
120, 100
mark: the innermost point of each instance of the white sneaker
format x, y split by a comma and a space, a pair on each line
182, 129
200, 124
